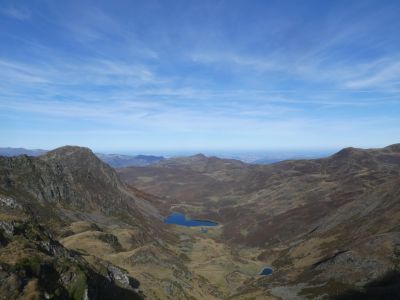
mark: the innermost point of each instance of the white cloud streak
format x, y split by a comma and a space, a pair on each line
126, 86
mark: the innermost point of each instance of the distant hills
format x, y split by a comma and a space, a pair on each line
7, 151
120, 161
270, 157
123, 160
114, 160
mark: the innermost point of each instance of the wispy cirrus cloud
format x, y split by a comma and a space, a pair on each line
90, 71
383, 74
163, 73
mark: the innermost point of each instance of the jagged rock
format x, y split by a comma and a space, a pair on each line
7, 227
9, 202
54, 271
119, 276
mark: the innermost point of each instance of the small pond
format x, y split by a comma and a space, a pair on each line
266, 271
180, 219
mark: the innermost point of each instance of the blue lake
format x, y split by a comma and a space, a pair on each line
266, 271
180, 219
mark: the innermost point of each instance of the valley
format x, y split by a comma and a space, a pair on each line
323, 227
314, 221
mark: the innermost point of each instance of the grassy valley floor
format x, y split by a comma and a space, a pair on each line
197, 267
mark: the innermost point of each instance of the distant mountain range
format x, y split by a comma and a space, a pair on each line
114, 160
270, 157
7, 151
123, 160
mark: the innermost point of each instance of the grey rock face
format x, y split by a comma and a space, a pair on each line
62, 269
9, 202
119, 276
7, 227
68, 177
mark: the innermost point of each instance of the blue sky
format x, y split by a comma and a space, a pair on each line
199, 75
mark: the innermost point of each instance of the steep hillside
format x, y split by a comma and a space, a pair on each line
33, 265
73, 180
192, 182
86, 207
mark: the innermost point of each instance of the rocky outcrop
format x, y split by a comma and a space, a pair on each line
71, 179
34, 264
39, 198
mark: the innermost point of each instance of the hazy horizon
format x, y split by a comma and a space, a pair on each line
191, 76
211, 151
249, 156
245, 155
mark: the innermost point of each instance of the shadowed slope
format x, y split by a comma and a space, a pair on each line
71, 178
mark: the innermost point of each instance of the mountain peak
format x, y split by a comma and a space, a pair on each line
74, 157
199, 156
393, 148
69, 150
346, 152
